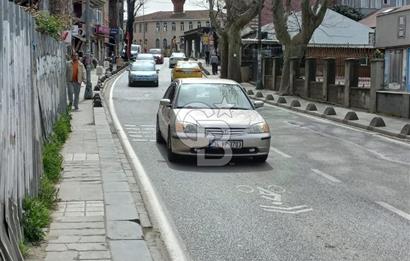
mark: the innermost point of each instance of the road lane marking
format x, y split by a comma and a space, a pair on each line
283, 154
395, 210
326, 176
289, 212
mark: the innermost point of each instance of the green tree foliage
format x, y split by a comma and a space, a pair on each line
348, 11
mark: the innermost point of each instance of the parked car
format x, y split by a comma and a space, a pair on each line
186, 69
208, 116
159, 58
175, 57
143, 73
145, 56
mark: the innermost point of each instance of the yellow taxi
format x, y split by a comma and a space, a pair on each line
186, 69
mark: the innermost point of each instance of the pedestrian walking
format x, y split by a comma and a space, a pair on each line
214, 62
75, 77
207, 54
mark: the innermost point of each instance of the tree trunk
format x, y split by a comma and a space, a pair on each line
291, 50
234, 63
130, 25
223, 47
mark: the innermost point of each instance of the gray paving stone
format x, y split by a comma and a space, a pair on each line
129, 250
79, 219
77, 225
64, 239
116, 186
121, 212
94, 255
80, 191
117, 230
112, 198
66, 256
79, 232
87, 246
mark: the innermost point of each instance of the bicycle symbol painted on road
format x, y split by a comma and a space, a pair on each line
273, 194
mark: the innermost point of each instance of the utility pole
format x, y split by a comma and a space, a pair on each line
259, 84
143, 24
88, 94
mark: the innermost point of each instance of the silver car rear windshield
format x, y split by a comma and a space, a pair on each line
212, 96
143, 67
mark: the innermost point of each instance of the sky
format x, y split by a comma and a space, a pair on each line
152, 6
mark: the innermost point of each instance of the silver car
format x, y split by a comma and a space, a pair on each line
211, 117
143, 73
174, 58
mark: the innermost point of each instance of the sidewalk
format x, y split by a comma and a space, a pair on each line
100, 208
394, 126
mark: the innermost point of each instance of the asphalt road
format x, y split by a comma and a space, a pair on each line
327, 192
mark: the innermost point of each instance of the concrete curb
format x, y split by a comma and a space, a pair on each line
176, 250
338, 120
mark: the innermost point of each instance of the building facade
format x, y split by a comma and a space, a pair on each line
165, 30
368, 6
393, 35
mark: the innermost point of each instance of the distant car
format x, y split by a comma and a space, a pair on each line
146, 57
211, 117
186, 69
175, 57
135, 50
159, 58
143, 73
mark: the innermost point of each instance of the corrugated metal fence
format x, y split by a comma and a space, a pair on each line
32, 94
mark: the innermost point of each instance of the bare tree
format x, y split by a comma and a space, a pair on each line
133, 6
229, 17
312, 14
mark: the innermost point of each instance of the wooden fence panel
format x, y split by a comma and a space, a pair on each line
32, 95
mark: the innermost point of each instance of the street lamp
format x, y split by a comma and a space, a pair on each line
88, 94
259, 84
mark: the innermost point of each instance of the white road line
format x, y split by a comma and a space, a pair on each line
129, 125
395, 210
283, 154
288, 212
326, 176
173, 242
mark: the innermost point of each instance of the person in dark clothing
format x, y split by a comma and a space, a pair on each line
207, 57
214, 62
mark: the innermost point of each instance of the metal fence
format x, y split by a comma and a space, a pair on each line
32, 94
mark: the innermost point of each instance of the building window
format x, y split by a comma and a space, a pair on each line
165, 43
393, 68
401, 33
146, 27
173, 26
158, 26
157, 44
140, 26
199, 24
208, 24
191, 26
182, 26
386, 2
165, 25
145, 42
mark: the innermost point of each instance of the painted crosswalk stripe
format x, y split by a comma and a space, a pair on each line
326, 176
283, 154
394, 210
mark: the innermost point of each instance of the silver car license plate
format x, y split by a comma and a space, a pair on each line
227, 144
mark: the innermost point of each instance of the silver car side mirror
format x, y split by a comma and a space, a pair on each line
258, 104
165, 102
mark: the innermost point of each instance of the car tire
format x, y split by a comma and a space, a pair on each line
260, 159
172, 157
158, 135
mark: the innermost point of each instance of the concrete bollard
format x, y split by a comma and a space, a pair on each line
406, 130
295, 103
269, 97
311, 107
329, 111
259, 94
351, 116
250, 92
377, 122
281, 99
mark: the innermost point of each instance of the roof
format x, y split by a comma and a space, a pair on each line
336, 30
170, 15
206, 80
370, 20
394, 10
